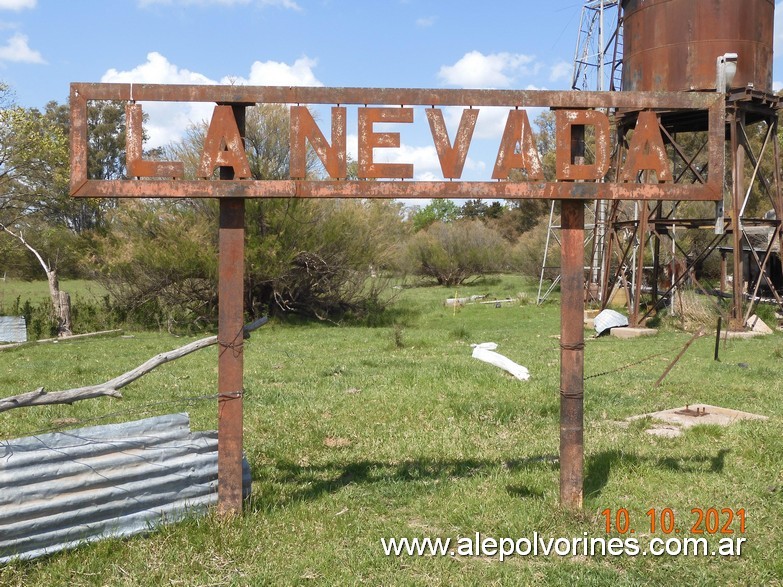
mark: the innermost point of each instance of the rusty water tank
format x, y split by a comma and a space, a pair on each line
673, 45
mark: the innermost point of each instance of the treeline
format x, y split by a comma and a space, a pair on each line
329, 260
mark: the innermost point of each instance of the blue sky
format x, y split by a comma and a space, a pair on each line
46, 44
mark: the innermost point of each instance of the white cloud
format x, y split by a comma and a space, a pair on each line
561, 71
426, 165
274, 73
425, 161
777, 86
352, 146
17, 4
498, 70
288, 4
168, 120
157, 70
425, 21
490, 124
18, 51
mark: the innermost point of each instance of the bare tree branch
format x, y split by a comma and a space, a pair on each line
20, 237
111, 388
61, 301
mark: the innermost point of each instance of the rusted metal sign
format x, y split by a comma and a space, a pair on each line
516, 146
645, 157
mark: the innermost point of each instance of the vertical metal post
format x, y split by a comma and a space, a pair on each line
572, 309
572, 353
778, 194
717, 337
738, 176
230, 344
608, 252
657, 254
641, 233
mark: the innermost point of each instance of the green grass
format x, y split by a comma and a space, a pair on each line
354, 434
37, 291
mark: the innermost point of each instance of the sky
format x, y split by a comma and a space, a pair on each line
498, 44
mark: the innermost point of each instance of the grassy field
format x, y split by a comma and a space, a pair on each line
37, 291
356, 434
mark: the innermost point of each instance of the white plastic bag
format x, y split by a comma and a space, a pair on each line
486, 352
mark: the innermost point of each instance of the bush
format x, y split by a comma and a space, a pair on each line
691, 310
159, 265
324, 259
528, 253
304, 257
456, 251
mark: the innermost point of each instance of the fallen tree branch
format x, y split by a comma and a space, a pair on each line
15, 345
111, 388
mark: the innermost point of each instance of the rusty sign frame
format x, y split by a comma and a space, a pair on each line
231, 191
82, 186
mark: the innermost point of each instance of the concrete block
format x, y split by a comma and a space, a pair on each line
756, 324
630, 332
740, 334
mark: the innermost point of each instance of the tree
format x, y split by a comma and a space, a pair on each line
435, 211
33, 162
34, 186
33, 156
473, 209
159, 263
479, 210
519, 216
106, 160
546, 142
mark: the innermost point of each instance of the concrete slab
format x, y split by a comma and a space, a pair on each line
677, 419
665, 431
733, 334
630, 332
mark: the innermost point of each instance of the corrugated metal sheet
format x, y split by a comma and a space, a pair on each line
608, 319
13, 329
62, 489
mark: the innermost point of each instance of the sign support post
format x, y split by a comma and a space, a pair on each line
572, 350
231, 270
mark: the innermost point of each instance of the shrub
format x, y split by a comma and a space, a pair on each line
528, 253
692, 310
309, 258
456, 251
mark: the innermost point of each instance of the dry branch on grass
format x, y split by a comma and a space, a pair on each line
111, 388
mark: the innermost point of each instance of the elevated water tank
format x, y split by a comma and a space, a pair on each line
672, 45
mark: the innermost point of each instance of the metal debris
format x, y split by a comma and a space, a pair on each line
608, 319
63, 489
13, 329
